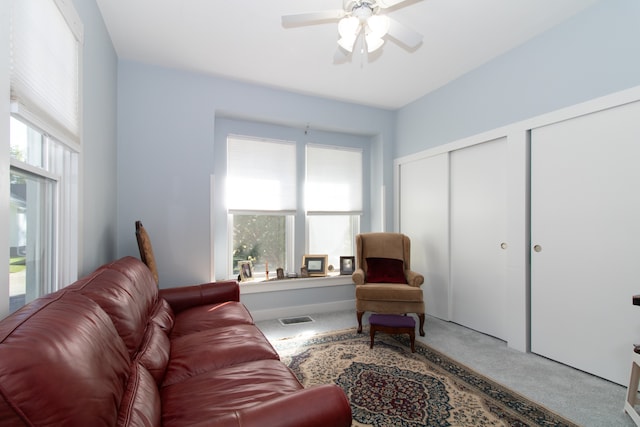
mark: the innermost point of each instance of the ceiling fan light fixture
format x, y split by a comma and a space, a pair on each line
347, 43
348, 27
378, 25
373, 42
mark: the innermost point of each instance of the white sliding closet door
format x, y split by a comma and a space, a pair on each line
585, 232
424, 217
478, 237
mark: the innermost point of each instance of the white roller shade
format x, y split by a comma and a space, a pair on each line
261, 175
44, 65
334, 180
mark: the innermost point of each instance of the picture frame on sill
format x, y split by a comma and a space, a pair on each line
347, 265
316, 265
246, 271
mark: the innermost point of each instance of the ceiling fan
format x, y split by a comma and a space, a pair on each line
360, 24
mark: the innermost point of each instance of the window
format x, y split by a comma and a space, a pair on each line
261, 202
45, 140
43, 211
262, 206
333, 200
31, 237
333, 235
261, 239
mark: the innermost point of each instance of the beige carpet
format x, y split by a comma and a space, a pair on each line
390, 386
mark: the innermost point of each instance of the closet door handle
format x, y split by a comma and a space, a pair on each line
537, 248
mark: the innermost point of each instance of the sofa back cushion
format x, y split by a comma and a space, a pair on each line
163, 316
141, 404
126, 290
63, 363
154, 352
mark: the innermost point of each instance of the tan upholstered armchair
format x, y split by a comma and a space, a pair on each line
383, 278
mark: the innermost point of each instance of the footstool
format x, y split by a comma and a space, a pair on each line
393, 324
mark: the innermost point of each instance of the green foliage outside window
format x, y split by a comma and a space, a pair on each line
259, 239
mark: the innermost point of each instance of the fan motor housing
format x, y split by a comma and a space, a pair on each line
351, 5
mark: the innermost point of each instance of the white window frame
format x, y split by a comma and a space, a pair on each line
60, 165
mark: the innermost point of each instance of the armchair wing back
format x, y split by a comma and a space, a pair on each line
383, 245
384, 280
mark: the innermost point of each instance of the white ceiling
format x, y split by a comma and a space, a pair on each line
245, 40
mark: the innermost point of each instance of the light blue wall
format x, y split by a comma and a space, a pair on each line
98, 188
167, 136
166, 154
593, 54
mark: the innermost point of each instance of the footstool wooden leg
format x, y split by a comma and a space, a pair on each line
372, 333
412, 338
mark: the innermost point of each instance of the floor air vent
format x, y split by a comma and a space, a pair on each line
295, 320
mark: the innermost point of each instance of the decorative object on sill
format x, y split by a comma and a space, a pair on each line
279, 273
266, 270
304, 272
391, 386
347, 264
330, 268
246, 270
316, 265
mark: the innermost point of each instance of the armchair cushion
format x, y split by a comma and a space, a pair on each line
385, 270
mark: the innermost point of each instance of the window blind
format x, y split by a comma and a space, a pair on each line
44, 66
334, 180
261, 175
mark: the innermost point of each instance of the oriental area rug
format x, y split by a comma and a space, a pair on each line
390, 386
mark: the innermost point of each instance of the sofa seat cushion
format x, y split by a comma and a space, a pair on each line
201, 399
388, 292
205, 317
217, 348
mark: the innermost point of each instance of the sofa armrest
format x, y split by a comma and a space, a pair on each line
181, 298
358, 276
414, 279
319, 406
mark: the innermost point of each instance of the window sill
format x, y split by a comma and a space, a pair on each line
290, 284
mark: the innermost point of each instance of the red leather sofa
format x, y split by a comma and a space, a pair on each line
113, 350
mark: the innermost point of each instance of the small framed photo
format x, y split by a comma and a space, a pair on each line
347, 264
316, 265
246, 271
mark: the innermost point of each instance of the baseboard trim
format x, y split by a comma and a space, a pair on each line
299, 310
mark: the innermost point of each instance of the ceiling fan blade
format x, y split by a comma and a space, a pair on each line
404, 34
389, 3
312, 17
